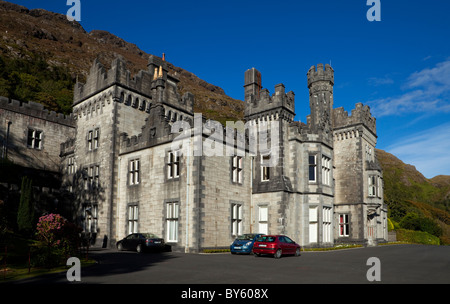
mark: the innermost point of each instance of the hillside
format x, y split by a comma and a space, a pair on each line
42, 35
408, 193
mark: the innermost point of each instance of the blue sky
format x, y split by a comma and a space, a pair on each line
399, 66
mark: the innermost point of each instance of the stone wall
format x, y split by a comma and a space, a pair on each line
21, 117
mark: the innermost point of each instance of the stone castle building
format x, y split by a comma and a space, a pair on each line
318, 182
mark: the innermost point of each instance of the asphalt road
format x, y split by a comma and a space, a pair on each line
398, 264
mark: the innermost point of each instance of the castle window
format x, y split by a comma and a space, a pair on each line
379, 187
263, 219
90, 138
90, 213
313, 224
93, 139
34, 139
265, 169
326, 170
96, 138
173, 165
71, 165
326, 224
344, 225
133, 217
236, 219
372, 186
312, 161
369, 155
93, 177
134, 172
236, 169
172, 215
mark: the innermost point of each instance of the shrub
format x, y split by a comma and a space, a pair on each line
58, 239
417, 237
412, 221
390, 225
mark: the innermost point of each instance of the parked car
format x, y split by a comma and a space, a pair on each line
244, 243
276, 245
141, 242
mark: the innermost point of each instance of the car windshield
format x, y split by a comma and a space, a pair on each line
246, 237
150, 236
266, 238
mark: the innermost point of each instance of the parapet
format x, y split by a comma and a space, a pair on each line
98, 79
37, 110
259, 100
360, 115
155, 83
320, 74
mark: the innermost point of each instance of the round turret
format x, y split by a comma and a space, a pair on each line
320, 74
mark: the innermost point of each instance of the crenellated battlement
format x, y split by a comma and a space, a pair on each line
155, 83
37, 110
320, 74
259, 100
99, 78
360, 115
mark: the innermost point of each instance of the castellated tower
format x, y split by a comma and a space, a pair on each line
115, 115
359, 177
273, 113
320, 84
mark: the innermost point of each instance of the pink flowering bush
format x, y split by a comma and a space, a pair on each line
58, 239
49, 229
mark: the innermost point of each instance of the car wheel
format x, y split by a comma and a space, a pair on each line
256, 254
119, 247
297, 252
277, 254
139, 248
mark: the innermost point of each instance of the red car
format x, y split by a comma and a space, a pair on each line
275, 245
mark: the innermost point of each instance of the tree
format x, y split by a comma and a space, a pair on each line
25, 214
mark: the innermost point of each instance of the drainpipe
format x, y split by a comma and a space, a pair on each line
5, 156
186, 246
251, 194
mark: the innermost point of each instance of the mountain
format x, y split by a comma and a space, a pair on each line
407, 192
39, 34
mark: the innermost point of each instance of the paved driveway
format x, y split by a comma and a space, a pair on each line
398, 264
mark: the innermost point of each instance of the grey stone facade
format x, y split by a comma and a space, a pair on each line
127, 171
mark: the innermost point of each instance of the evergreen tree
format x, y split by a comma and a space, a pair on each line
25, 214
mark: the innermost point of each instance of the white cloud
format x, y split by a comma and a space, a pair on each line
375, 81
427, 150
425, 91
